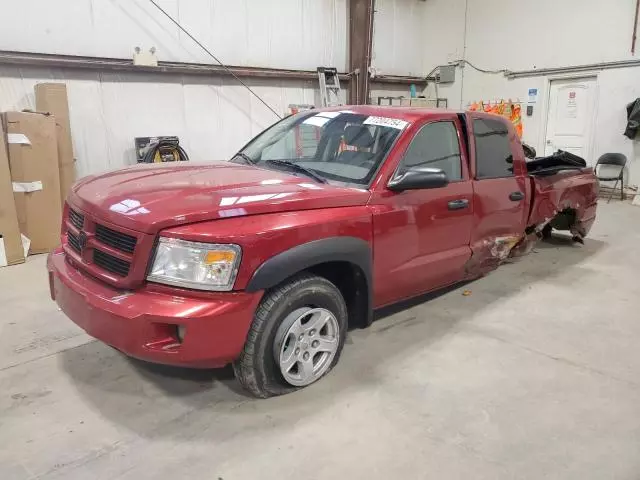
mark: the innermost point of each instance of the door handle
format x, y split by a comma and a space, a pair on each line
458, 204
516, 196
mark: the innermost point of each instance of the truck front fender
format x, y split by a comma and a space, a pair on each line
312, 254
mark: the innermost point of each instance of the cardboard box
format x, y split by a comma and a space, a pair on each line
11, 251
33, 161
52, 98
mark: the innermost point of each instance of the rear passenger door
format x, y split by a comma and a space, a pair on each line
500, 195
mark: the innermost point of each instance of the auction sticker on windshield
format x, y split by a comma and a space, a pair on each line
386, 122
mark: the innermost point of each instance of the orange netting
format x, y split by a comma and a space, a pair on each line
513, 111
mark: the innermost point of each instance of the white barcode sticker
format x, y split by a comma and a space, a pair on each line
27, 187
386, 122
19, 138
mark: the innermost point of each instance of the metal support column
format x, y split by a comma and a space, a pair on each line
360, 48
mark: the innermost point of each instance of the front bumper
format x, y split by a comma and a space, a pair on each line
143, 323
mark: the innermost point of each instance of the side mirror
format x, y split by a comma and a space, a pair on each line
418, 178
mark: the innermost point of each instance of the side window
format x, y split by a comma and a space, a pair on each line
493, 152
435, 146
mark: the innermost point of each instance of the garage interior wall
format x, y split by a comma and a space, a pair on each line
213, 116
397, 44
522, 35
398, 30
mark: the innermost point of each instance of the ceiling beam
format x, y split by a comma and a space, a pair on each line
102, 64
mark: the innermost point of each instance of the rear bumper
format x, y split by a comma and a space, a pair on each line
143, 323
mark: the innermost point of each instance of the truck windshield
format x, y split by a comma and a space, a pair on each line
342, 146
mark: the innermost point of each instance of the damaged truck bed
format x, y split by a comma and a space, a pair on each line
565, 193
561, 194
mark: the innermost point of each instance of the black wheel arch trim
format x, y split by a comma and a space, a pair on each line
301, 257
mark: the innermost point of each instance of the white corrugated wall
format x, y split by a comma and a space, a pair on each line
214, 116
265, 33
583, 32
398, 37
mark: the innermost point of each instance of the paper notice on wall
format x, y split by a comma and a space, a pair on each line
3, 254
19, 138
571, 109
26, 187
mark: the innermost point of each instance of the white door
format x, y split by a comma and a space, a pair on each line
570, 117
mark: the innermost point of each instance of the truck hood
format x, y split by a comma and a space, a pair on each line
148, 198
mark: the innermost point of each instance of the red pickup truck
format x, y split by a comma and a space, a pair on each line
264, 261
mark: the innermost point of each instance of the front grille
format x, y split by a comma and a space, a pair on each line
73, 242
76, 219
111, 263
118, 240
104, 251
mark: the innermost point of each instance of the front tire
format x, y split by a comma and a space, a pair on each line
296, 337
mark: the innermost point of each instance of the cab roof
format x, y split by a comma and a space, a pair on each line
410, 114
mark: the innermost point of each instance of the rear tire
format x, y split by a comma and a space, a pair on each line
282, 341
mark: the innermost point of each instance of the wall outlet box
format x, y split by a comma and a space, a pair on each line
145, 59
447, 74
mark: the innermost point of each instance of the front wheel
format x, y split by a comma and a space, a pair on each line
296, 337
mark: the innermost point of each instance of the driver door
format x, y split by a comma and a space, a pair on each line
421, 237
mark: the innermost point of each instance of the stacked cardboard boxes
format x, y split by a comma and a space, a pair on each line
11, 251
52, 98
36, 176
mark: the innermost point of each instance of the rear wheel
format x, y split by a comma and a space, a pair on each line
296, 337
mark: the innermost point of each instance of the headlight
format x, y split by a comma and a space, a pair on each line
203, 266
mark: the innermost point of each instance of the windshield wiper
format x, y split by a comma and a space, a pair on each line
298, 168
245, 157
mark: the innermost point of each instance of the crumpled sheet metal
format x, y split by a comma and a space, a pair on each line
552, 195
490, 253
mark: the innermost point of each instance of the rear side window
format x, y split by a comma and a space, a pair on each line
435, 146
493, 152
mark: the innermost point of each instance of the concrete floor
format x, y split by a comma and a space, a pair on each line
535, 375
